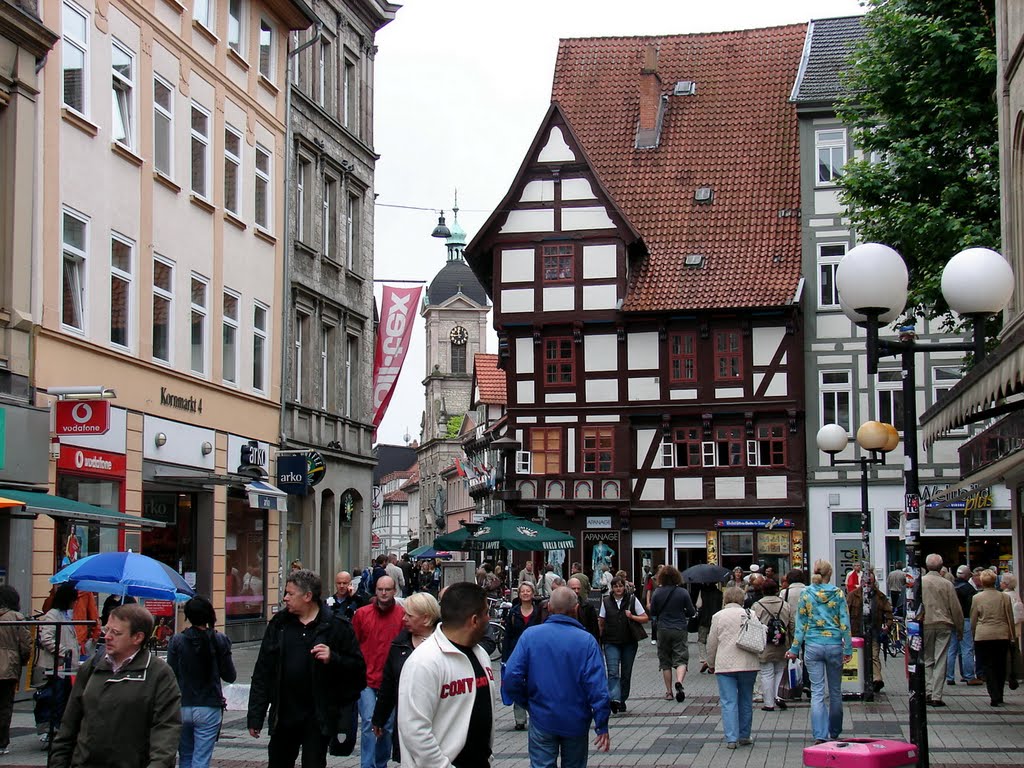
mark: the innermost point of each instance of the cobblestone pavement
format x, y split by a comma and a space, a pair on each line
659, 733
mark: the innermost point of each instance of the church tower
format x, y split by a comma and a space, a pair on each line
455, 311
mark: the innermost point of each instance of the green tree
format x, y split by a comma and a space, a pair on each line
919, 100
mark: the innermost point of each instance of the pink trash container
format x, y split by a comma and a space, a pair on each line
861, 753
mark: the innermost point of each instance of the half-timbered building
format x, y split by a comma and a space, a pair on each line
645, 273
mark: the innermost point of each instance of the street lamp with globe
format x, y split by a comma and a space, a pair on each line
872, 282
876, 439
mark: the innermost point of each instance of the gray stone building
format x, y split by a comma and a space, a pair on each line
329, 322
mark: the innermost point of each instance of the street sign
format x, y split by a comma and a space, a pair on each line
378, 499
82, 417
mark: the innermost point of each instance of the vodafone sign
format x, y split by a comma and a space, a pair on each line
82, 417
86, 461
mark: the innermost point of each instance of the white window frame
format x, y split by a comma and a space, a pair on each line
261, 335
888, 384
322, 79
237, 42
826, 389
524, 463
263, 178
940, 387
831, 263
301, 320
266, 28
168, 296
162, 113
82, 46
122, 95
833, 142
231, 324
201, 140
126, 277
709, 453
325, 363
668, 453
351, 348
80, 259
235, 162
201, 311
202, 11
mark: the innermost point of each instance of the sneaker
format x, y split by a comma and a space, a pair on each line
758, 699
746, 742
680, 693
5, 751
731, 745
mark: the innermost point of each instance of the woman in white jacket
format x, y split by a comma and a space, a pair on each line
735, 669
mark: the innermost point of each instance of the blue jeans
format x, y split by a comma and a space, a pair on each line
736, 696
619, 656
544, 748
825, 668
965, 650
199, 729
373, 752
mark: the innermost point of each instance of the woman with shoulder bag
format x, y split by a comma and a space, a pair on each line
994, 629
735, 667
527, 612
621, 621
673, 609
200, 657
15, 651
55, 662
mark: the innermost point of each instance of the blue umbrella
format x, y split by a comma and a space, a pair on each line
427, 552
125, 573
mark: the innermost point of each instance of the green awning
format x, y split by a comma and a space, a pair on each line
58, 506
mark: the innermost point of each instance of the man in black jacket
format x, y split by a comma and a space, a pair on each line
963, 649
587, 615
308, 667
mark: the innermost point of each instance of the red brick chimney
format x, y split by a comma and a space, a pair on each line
652, 106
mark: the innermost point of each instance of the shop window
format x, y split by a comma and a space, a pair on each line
846, 521
937, 518
245, 561
75, 540
1001, 519
174, 545
979, 519
736, 548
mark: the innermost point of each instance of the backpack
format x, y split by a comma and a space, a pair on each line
364, 584
776, 628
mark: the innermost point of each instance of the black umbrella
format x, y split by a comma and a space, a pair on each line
705, 573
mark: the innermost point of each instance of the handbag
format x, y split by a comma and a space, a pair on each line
751, 636
636, 629
693, 625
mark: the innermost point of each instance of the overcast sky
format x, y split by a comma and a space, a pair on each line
461, 88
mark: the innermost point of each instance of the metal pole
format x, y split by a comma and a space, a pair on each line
866, 583
915, 638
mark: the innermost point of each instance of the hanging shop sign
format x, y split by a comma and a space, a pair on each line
316, 467
293, 474
82, 417
90, 462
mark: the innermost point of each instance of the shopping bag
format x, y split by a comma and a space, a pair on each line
795, 676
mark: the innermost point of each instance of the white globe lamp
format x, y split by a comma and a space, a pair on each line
832, 438
977, 281
872, 279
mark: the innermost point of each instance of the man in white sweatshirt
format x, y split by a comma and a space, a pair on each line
446, 689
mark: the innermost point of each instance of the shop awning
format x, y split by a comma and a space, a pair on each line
263, 495
58, 506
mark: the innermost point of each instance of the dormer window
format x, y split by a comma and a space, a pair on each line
559, 263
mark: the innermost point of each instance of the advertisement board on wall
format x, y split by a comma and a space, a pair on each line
600, 548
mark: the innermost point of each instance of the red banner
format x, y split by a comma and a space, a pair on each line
397, 313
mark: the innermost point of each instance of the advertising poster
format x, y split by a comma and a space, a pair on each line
600, 549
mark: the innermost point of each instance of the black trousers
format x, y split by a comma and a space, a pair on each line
993, 654
286, 740
7, 688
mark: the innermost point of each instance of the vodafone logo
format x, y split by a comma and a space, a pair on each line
92, 462
77, 417
86, 461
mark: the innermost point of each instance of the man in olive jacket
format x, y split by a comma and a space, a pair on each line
125, 708
309, 666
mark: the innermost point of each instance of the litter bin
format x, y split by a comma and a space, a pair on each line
853, 672
861, 753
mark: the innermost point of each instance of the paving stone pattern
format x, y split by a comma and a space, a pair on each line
656, 733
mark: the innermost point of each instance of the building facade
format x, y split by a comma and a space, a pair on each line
160, 276
839, 389
330, 331
454, 311
645, 271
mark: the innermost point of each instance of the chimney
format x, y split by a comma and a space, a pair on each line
652, 104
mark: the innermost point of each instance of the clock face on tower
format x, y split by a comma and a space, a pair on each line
459, 335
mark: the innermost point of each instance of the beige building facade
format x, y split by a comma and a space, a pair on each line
160, 266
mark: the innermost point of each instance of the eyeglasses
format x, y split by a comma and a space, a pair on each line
113, 632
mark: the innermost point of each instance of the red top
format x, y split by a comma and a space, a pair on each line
375, 631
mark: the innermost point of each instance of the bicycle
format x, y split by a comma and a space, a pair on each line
894, 642
497, 611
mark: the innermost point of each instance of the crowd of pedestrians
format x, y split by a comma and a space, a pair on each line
389, 660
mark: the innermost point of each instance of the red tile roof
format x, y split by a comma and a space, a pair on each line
737, 134
414, 480
397, 497
490, 379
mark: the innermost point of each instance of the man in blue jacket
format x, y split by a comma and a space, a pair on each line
557, 673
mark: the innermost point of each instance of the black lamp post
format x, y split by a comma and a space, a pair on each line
872, 281
877, 439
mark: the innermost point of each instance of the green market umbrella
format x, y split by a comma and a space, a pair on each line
505, 531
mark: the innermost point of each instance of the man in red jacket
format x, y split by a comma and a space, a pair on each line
376, 625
